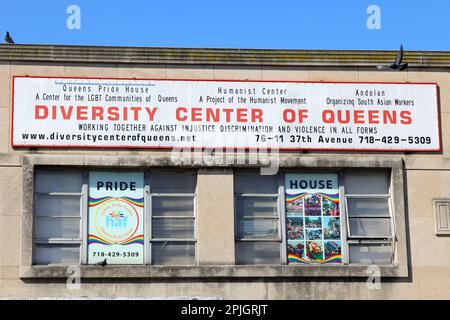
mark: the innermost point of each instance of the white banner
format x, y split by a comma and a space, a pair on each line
138, 113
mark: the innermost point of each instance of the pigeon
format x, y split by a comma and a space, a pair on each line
397, 65
101, 263
8, 38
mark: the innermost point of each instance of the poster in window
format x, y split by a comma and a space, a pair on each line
116, 213
313, 219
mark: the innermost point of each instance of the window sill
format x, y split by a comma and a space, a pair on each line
210, 271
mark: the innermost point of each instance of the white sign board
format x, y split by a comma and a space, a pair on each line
144, 113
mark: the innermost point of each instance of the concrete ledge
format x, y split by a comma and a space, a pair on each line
175, 272
157, 159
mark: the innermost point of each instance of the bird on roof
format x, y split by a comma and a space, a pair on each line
8, 38
397, 65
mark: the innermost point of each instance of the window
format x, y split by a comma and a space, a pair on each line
57, 224
173, 237
369, 222
258, 234
61, 205
315, 204
267, 222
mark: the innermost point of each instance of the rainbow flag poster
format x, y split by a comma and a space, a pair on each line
116, 214
313, 224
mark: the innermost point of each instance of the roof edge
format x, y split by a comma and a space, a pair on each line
216, 56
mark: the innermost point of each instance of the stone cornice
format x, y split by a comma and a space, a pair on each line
199, 56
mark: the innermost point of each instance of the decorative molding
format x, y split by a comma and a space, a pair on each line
442, 216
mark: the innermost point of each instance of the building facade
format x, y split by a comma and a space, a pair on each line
219, 173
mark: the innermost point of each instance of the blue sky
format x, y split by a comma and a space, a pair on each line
283, 24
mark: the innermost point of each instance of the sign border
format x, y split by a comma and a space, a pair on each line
438, 109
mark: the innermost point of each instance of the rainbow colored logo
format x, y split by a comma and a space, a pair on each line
115, 221
133, 201
135, 240
334, 197
292, 259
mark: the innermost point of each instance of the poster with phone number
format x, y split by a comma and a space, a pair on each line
116, 207
313, 219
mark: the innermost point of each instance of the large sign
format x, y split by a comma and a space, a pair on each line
313, 219
131, 113
116, 206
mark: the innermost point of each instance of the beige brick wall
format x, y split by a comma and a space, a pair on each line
215, 216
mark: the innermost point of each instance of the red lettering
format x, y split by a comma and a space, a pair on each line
212, 115
54, 112
257, 115
302, 114
388, 117
40, 112
288, 115
328, 116
196, 114
97, 112
113, 114
66, 114
359, 116
178, 115
82, 113
135, 112
241, 115
227, 114
406, 117
373, 117
151, 113
340, 116
125, 113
